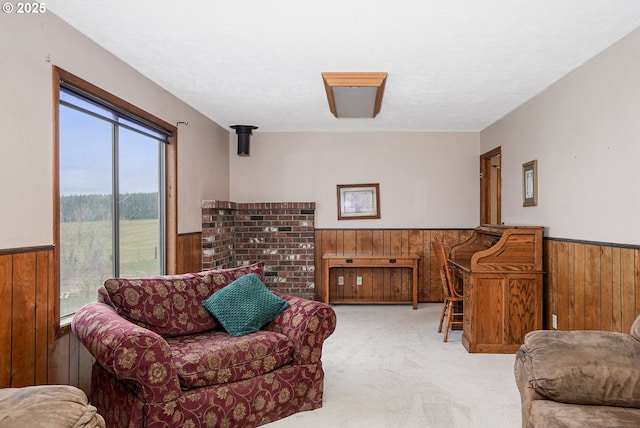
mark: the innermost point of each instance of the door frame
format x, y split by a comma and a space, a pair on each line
486, 186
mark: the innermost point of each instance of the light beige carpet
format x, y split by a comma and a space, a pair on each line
387, 367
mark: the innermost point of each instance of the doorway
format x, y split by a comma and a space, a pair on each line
491, 187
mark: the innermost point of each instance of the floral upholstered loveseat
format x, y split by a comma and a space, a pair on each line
162, 360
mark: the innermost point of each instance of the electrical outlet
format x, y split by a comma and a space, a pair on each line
341, 280
358, 280
554, 321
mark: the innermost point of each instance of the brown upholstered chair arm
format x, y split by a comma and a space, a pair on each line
581, 367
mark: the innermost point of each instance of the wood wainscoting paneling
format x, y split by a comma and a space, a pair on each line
70, 363
591, 286
189, 252
395, 285
26, 293
588, 285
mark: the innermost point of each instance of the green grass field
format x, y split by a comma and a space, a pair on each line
86, 258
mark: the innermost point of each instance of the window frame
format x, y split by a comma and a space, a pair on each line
61, 326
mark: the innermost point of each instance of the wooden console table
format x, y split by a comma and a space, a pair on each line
375, 260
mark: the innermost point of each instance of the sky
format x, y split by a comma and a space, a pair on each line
86, 155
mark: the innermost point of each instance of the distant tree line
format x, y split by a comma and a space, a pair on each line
133, 206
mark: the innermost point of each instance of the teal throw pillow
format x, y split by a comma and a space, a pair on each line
245, 305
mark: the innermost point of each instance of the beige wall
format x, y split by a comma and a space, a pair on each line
427, 180
585, 133
29, 46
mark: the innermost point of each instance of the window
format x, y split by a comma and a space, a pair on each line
112, 205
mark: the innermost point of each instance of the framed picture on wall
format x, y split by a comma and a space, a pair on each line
358, 201
530, 184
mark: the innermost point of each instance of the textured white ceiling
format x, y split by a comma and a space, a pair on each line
454, 65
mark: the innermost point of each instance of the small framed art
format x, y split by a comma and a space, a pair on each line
530, 184
358, 201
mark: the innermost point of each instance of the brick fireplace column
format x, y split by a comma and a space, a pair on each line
280, 234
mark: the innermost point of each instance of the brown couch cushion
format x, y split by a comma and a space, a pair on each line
579, 367
545, 413
47, 406
171, 305
216, 357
